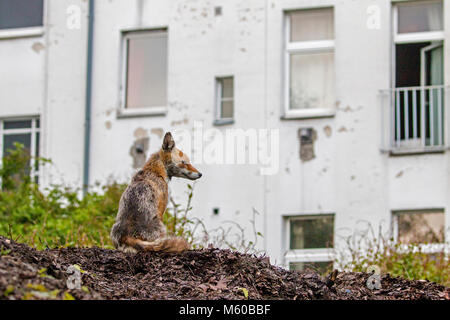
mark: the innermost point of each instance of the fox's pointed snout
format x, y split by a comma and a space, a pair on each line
193, 175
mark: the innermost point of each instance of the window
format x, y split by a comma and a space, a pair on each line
420, 17
416, 115
23, 131
145, 71
419, 227
224, 100
310, 242
309, 63
21, 13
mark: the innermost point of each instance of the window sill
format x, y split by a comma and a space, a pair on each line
309, 255
21, 33
308, 114
416, 151
142, 112
223, 122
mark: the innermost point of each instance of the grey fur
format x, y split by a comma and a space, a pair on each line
138, 209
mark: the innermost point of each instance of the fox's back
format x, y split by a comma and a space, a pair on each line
141, 207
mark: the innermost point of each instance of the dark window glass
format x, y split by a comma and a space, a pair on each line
17, 124
36, 162
21, 13
312, 233
421, 227
10, 139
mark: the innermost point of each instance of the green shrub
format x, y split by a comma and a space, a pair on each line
410, 261
55, 216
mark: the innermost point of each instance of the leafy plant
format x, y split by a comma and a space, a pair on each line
365, 248
54, 216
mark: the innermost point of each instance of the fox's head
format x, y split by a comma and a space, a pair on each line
176, 162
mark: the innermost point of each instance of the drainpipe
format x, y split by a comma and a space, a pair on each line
87, 117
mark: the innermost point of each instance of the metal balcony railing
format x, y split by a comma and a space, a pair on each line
413, 119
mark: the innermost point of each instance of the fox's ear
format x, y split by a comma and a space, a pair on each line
168, 142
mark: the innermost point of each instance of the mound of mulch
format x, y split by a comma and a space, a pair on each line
26, 273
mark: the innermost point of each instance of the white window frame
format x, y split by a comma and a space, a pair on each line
123, 111
426, 248
406, 38
218, 120
414, 37
306, 255
26, 32
33, 131
302, 47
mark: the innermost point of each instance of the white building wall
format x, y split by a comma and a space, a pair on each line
349, 176
64, 89
43, 73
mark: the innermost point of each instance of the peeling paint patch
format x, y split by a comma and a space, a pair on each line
342, 129
108, 125
109, 111
399, 175
37, 47
307, 136
195, 17
138, 151
157, 131
347, 109
140, 133
328, 131
179, 122
177, 105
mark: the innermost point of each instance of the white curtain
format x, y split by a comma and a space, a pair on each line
437, 78
434, 15
312, 80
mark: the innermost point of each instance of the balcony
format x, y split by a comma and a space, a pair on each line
414, 119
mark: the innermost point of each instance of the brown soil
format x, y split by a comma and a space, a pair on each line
26, 273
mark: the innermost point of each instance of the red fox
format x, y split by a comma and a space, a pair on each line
138, 224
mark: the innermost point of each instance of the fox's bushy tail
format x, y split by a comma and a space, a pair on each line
171, 244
